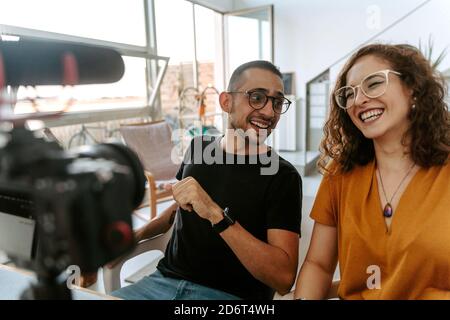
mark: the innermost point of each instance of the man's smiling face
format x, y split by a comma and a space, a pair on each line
255, 123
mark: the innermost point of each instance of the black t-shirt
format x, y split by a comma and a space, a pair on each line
257, 201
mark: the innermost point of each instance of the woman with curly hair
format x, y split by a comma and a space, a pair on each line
383, 206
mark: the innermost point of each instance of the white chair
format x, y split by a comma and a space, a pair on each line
112, 276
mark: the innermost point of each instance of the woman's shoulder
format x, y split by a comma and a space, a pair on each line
335, 172
443, 169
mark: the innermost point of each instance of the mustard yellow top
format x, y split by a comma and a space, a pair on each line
413, 256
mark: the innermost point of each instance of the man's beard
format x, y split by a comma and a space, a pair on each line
250, 137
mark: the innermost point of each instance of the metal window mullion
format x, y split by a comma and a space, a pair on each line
260, 42
224, 65
226, 48
195, 64
74, 118
206, 6
272, 34
123, 48
150, 26
151, 48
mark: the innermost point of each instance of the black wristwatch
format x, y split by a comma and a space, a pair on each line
227, 221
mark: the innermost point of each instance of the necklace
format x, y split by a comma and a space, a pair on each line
388, 211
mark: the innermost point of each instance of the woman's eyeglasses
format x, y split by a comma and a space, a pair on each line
372, 86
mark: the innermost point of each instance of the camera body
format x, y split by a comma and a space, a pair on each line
82, 200
79, 202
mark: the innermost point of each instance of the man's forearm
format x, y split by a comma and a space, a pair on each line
267, 263
158, 225
273, 263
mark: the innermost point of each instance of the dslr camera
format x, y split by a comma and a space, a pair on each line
75, 204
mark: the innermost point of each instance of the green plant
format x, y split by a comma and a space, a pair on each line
427, 51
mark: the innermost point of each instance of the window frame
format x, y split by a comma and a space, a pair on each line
147, 52
154, 74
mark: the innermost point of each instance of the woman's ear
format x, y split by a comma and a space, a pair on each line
225, 102
412, 94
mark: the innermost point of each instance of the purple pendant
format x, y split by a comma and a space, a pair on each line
387, 212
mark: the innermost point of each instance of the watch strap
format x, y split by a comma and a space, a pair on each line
223, 224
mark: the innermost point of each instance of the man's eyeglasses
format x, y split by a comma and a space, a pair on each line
258, 100
372, 86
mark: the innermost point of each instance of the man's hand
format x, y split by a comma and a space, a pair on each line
191, 197
88, 279
138, 237
159, 225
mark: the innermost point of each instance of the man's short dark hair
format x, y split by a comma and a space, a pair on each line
257, 64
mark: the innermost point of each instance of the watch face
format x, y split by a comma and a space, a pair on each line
227, 216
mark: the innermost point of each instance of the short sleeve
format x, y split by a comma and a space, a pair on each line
188, 156
323, 210
179, 175
186, 159
285, 202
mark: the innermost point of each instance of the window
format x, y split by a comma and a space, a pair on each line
175, 39
119, 24
250, 29
130, 91
208, 26
191, 36
119, 21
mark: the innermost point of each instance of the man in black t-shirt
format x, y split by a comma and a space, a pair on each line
237, 209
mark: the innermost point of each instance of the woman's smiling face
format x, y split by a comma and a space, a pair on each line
386, 115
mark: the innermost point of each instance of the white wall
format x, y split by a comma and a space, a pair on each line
310, 36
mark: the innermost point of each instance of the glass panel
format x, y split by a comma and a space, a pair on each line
175, 38
251, 30
209, 62
242, 33
130, 91
118, 21
266, 36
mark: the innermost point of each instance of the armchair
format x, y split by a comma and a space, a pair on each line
153, 145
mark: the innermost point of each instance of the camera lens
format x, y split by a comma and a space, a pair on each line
122, 155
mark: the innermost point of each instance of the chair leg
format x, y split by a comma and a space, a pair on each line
153, 205
152, 194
